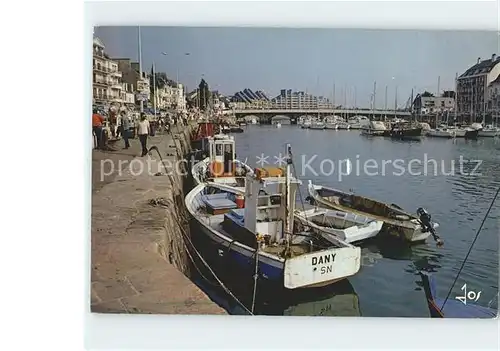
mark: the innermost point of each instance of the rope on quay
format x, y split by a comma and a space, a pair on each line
471, 246
208, 266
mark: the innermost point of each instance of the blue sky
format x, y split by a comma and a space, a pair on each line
271, 59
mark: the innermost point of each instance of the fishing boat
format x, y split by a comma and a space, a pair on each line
332, 224
451, 308
278, 125
255, 231
397, 222
221, 165
405, 131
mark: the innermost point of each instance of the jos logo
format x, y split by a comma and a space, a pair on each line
471, 295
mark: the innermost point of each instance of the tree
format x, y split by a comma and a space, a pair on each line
448, 94
204, 92
427, 94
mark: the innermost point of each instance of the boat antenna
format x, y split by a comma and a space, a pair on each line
471, 246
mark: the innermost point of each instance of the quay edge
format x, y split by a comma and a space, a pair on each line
139, 262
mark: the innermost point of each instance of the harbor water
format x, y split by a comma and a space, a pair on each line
455, 180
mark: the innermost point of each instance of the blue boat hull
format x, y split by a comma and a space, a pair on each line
451, 308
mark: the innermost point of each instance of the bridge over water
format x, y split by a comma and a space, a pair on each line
265, 115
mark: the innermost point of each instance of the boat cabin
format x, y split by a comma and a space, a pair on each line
265, 209
222, 156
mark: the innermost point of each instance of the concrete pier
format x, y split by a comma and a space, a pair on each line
138, 262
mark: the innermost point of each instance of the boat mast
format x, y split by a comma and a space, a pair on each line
345, 101
456, 97
385, 104
411, 104
395, 102
288, 227
374, 96
317, 98
333, 102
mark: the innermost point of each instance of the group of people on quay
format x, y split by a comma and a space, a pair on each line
112, 125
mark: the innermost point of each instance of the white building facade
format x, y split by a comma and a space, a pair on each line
171, 98
299, 100
106, 78
434, 104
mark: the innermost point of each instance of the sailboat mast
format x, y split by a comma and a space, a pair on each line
345, 101
395, 102
334, 98
455, 104
355, 97
385, 104
374, 99
317, 97
288, 227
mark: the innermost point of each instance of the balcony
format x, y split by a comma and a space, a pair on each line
100, 68
116, 73
102, 82
102, 97
116, 86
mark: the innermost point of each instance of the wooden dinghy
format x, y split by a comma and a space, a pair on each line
396, 221
349, 227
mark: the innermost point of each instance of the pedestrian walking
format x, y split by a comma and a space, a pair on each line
124, 127
167, 126
97, 121
143, 132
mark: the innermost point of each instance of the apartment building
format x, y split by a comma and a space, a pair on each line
472, 88
106, 78
300, 100
434, 104
494, 97
132, 76
171, 97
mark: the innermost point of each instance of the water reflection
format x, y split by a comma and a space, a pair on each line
339, 299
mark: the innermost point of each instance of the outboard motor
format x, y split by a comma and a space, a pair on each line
311, 201
426, 223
